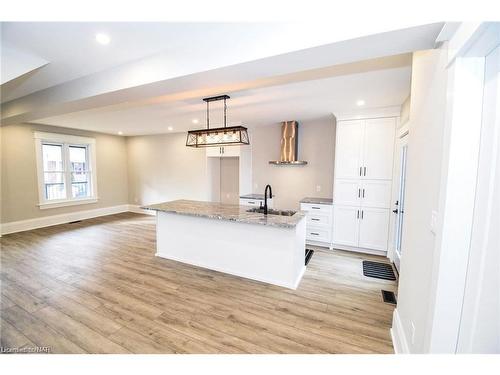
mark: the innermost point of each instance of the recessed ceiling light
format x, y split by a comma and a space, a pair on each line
120, 133
360, 102
195, 121
102, 38
170, 128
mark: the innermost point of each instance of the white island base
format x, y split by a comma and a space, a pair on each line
266, 253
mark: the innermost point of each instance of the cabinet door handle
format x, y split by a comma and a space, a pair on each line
363, 192
251, 202
358, 214
362, 211
314, 219
359, 193
360, 169
314, 233
316, 208
364, 171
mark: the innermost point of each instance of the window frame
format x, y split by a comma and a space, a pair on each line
66, 141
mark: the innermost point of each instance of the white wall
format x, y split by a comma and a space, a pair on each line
449, 290
19, 187
162, 168
428, 107
292, 183
480, 320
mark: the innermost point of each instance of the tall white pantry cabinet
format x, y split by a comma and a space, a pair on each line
364, 154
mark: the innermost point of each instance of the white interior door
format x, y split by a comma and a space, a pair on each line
378, 149
345, 225
374, 228
400, 203
348, 149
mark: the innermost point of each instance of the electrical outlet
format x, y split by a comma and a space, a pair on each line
318, 188
256, 186
412, 333
434, 220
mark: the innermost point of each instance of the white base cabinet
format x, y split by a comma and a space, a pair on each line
374, 228
345, 225
366, 227
318, 224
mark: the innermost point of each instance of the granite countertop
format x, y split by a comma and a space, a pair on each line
228, 212
253, 196
314, 200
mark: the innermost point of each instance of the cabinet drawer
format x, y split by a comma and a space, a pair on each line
321, 209
255, 202
251, 202
318, 220
318, 234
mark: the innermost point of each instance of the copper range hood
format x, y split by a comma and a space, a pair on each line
289, 145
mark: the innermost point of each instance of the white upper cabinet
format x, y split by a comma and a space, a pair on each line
223, 151
348, 152
231, 151
378, 148
364, 149
376, 193
347, 192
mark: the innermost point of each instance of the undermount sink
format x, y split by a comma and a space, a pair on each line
270, 211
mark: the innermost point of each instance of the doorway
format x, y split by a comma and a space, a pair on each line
399, 208
229, 180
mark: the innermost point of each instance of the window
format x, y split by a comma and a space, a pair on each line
66, 170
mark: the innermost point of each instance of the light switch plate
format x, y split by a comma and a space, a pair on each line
412, 333
434, 220
318, 188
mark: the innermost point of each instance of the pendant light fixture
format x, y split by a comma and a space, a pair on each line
216, 137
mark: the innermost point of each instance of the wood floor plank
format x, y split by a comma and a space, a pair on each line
21, 298
96, 286
38, 332
78, 333
11, 337
80, 312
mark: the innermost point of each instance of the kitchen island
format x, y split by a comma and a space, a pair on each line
227, 238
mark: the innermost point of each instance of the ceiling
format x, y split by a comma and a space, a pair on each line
151, 78
71, 50
293, 101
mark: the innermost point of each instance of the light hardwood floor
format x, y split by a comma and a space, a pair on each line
96, 287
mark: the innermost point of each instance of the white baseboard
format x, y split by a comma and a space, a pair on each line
398, 335
138, 210
359, 250
47, 221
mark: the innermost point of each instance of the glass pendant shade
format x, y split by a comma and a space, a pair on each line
216, 137
230, 136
